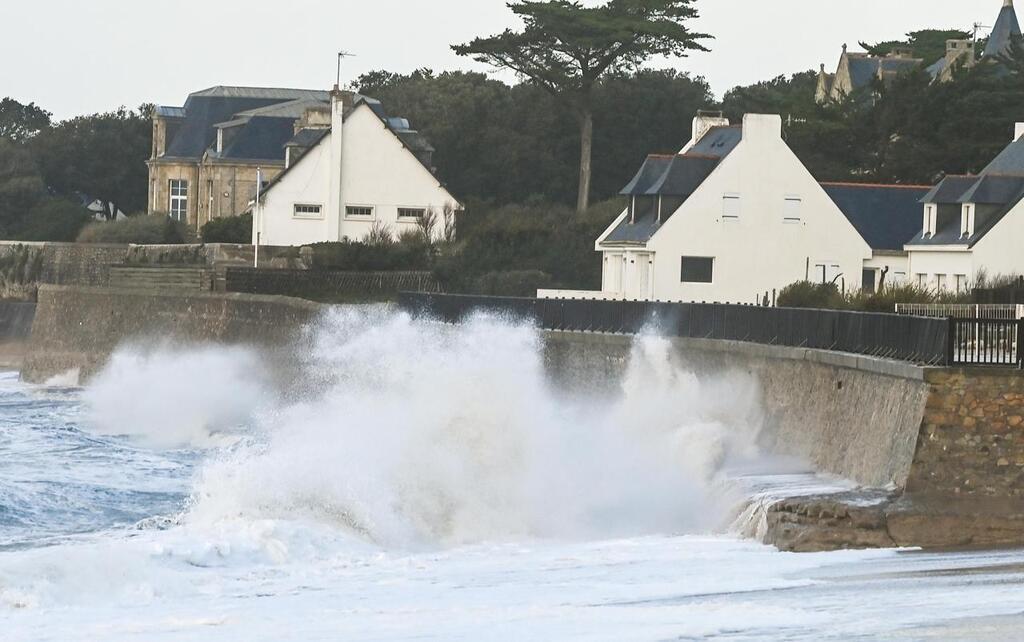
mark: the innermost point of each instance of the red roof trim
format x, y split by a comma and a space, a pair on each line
873, 185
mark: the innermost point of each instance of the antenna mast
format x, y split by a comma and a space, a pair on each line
341, 55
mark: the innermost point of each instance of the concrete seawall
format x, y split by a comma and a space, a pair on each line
79, 328
943, 448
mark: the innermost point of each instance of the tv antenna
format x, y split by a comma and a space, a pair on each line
342, 55
978, 27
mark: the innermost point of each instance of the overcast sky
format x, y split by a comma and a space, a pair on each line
83, 56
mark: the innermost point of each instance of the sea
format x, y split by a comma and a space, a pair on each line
413, 481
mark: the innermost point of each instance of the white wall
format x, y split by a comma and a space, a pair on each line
1001, 251
932, 263
899, 268
376, 171
759, 252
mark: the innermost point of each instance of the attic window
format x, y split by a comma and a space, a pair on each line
305, 210
731, 208
411, 213
791, 213
359, 211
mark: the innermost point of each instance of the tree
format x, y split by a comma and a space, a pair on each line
927, 44
102, 156
21, 186
20, 122
566, 48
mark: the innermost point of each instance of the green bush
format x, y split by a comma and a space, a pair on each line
230, 229
54, 219
408, 254
523, 283
143, 230
804, 294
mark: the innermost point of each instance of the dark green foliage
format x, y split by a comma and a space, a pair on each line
19, 122
54, 219
503, 144
143, 230
804, 294
927, 44
409, 254
535, 238
21, 186
230, 229
826, 296
565, 48
523, 283
102, 155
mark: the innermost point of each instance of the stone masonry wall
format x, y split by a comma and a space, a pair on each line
972, 437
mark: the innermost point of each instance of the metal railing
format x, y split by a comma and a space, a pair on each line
986, 342
906, 338
962, 311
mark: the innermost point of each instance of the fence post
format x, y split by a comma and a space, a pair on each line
950, 341
1020, 344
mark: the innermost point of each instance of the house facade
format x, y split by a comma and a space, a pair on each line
205, 154
972, 225
735, 216
364, 170
859, 70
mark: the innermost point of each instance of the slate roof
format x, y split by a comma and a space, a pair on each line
994, 189
308, 137
863, 70
1009, 161
950, 189
886, 216
204, 109
262, 138
1005, 30
676, 176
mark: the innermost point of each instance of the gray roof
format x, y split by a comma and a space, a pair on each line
950, 189
1005, 30
994, 189
898, 65
1009, 161
261, 138
936, 68
886, 216
170, 112
262, 93
673, 176
863, 70
308, 137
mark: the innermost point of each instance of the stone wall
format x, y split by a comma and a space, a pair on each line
327, 285
972, 438
78, 328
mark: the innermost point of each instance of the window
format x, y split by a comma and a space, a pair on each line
359, 211
868, 280
899, 277
411, 212
179, 199
826, 272
791, 213
305, 210
730, 208
697, 269
922, 281
961, 283
940, 282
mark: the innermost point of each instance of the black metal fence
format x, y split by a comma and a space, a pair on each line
986, 342
905, 338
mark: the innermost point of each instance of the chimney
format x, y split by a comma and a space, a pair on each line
762, 127
704, 121
1008, 3
1018, 131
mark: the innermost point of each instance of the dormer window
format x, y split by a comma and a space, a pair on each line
967, 220
930, 221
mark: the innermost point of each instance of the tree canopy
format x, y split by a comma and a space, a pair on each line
20, 122
927, 44
565, 48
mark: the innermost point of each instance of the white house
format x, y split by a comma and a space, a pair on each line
735, 215
973, 224
341, 180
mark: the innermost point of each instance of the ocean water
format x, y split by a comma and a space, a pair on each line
421, 482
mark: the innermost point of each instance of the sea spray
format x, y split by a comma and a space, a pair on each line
424, 434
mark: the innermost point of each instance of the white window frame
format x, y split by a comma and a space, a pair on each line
941, 282
922, 280
177, 199
732, 208
360, 217
791, 216
411, 219
308, 213
962, 285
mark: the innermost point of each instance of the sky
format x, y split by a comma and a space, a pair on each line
83, 56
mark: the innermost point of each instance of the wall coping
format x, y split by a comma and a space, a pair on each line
186, 294
850, 361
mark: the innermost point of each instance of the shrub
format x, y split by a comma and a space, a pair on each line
54, 219
143, 230
523, 283
804, 294
355, 256
230, 229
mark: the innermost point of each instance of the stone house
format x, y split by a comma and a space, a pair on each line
205, 154
364, 170
859, 70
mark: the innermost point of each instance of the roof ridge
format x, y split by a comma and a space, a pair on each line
699, 156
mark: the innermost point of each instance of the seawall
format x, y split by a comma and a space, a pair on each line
940, 452
77, 328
